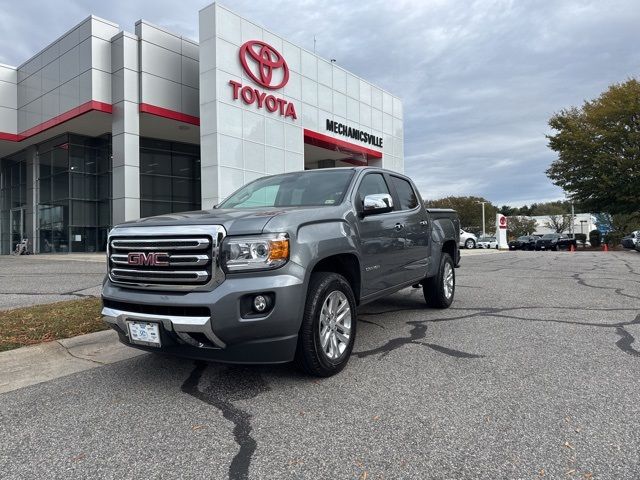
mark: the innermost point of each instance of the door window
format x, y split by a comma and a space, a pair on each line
372, 184
406, 194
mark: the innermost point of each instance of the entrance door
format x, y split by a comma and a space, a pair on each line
17, 227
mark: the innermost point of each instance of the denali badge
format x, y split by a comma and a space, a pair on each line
152, 259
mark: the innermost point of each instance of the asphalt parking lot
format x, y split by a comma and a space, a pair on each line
37, 279
533, 373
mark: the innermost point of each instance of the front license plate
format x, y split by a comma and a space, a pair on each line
144, 333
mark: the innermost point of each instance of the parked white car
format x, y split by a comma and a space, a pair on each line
487, 242
467, 240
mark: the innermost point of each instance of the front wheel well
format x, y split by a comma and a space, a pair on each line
345, 264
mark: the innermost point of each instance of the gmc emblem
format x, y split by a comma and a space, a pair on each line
151, 259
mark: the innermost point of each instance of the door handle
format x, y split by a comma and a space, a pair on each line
424, 223
399, 226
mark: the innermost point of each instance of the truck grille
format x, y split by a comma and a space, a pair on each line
147, 258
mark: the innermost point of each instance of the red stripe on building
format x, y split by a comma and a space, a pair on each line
171, 114
89, 106
9, 137
325, 141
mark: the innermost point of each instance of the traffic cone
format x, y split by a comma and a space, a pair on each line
605, 248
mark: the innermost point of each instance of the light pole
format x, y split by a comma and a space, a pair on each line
484, 234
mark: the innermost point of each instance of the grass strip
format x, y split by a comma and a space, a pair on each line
44, 323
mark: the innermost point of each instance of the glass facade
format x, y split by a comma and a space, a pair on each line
73, 201
74, 194
13, 201
169, 177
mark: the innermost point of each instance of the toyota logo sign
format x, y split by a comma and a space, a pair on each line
264, 64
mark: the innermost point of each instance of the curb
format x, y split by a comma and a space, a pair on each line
35, 364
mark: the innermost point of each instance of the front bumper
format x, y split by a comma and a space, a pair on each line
218, 331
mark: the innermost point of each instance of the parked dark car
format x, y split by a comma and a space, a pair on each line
526, 242
555, 241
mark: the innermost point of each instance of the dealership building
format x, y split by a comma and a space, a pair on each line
103, 126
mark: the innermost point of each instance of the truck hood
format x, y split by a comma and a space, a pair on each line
234, 221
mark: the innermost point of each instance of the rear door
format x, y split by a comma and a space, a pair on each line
381, 241
415, 229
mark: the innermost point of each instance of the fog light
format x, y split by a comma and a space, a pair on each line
260, 303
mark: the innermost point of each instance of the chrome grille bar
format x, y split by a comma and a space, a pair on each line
182, 260
166, 276
161, 244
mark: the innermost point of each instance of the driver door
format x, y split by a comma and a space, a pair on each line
381, 241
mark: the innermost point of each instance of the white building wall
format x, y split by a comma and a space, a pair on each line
241, 142
8, 100
588, 223
73, 70
168, 70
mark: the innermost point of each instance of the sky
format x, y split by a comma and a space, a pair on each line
478, 79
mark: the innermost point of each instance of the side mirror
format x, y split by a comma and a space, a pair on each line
377, 203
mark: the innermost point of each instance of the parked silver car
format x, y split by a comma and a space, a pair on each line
467, 239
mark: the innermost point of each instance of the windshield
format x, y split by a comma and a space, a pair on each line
550, 235
523, 239
311, 188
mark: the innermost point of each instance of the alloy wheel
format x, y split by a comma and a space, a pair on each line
448, 280
335, 325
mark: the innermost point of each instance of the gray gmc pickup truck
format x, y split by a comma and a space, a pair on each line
276, 272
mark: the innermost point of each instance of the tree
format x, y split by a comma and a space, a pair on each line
619, 225
558, 223
524, 210
519, 226
598, 148
507, 211
470, 211
558, 207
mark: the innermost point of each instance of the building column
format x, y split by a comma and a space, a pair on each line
31, 211
125, 128
209, 168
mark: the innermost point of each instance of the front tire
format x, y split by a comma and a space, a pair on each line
328, 329
470, 243
439, 290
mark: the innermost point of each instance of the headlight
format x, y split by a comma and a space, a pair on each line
260, 252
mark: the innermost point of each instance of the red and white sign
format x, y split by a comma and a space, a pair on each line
267, 67
264, 64
502, 222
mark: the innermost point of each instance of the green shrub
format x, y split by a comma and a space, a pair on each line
613, 238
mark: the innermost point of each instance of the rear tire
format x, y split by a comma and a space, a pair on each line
440, 289
328, 329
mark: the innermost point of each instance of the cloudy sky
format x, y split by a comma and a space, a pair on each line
479, 79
